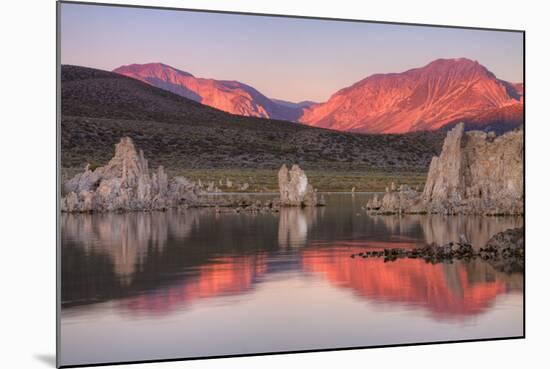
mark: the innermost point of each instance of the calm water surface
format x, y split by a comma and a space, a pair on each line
194, 283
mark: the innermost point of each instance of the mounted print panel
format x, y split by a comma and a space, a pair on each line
241, 184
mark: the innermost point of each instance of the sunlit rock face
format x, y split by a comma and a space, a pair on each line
230, 96
294, 187
443, 92
126, 183
476, 173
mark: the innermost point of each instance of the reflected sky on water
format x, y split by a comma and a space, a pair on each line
190, 283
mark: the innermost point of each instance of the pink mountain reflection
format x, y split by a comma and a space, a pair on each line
446, 291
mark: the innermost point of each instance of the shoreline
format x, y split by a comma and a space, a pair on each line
265, 180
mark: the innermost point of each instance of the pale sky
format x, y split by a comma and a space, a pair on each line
286, 58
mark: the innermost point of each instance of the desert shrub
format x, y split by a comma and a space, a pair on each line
93, 165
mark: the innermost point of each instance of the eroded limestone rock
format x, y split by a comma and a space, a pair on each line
295, 189
404, 200
476, 173
126, 183
374, 203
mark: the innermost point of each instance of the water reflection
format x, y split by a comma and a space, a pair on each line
294, 225
125, 238
156, 263
441, 229
227, 276
446, 291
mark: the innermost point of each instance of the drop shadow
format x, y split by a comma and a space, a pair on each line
48, 359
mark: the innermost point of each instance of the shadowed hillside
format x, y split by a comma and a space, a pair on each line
99, 107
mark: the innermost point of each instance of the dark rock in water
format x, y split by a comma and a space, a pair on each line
504, 251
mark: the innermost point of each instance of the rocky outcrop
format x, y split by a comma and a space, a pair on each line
504, 251
476, 173
430, 253
295, 189
126, 184
404, 200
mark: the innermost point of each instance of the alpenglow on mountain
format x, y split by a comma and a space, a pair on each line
230, 96
444, 92
440, 94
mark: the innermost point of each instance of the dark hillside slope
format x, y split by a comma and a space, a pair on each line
99, 107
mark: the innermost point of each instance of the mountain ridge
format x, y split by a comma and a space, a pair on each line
227, 95
430, 97
99, 107
424, 98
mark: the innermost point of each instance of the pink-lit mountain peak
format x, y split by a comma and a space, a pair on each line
457, 64
443, 92
440, 93
231, 96
439, 68
155, 68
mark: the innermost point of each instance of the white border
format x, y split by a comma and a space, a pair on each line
28, 181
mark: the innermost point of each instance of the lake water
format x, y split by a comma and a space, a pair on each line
192, 283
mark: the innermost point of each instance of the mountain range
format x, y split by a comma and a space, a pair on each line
443, 92
438, 95
230, 96
99, 107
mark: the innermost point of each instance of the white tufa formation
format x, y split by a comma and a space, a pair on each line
476, 173
126, 183
294, 187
